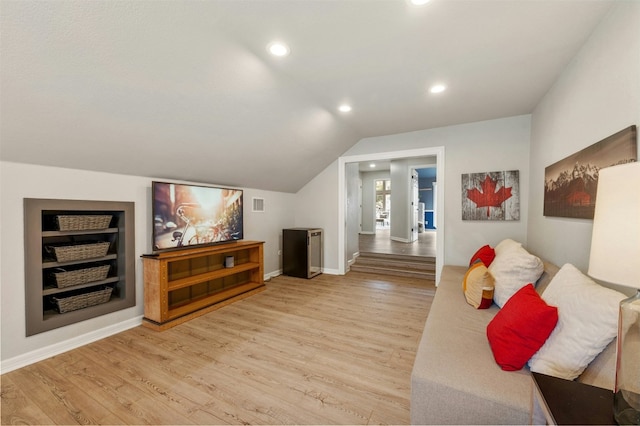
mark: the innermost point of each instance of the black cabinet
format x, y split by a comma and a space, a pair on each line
302, 252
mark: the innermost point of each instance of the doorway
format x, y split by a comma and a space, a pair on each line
422, 243
345, 232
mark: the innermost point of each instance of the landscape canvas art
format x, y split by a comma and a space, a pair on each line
570, 185
491, 196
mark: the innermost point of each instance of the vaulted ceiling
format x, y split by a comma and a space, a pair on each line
187, 90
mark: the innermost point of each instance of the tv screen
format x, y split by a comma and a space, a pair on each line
191, 215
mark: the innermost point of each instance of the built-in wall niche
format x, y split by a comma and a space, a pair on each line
79, 261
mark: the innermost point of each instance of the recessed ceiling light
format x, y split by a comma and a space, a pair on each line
437, 88
372, 165
278, 49
419, 2
344, 108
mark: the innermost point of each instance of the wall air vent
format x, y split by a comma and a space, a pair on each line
257, 205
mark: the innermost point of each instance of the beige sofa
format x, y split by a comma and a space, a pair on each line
455, 379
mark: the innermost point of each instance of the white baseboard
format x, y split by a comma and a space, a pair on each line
367, 233
353, 259
273, 274
402, 240
61, 347
324, 271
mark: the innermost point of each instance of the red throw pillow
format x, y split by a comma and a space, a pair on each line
485, 254
520, 328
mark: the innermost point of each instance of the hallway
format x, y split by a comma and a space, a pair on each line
424, 246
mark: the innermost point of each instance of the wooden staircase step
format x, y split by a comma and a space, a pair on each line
396, 265
407, 257
397, 272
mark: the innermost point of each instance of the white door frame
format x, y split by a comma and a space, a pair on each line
437, 152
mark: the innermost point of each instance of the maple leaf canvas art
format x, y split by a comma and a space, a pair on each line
491, 196
570, 184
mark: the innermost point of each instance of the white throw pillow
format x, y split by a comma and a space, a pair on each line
587, 322
513, 269
506, 245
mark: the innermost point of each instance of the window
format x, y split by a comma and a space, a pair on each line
383, 196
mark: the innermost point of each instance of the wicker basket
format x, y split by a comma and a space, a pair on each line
69, 253
80, 276
84, 300
83, 222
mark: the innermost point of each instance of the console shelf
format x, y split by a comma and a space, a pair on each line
184, 284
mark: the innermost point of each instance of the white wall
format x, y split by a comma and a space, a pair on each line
491, 145
19, 181
268, 226
400, 199
353, 210
597, 95
316, 206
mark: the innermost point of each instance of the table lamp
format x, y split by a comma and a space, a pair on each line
615, 258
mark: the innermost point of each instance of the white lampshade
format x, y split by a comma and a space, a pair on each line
615, 258
615, 243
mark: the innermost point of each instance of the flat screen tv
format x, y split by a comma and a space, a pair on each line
192, 215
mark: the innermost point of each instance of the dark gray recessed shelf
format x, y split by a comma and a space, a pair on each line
40, 231
51, 263
68, 233
48, 291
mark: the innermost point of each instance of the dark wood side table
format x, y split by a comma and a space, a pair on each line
566, 402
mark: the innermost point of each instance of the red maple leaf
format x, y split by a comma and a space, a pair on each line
489, 197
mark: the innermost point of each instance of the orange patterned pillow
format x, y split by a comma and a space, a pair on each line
478, 285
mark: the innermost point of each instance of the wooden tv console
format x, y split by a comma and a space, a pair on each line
183, 284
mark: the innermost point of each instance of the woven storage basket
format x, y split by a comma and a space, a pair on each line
80, 301
83, 222
80, 276
70, 253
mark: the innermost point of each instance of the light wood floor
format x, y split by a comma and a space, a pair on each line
380, 242
331, 350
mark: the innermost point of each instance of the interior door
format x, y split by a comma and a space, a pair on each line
414, 205
360, 206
